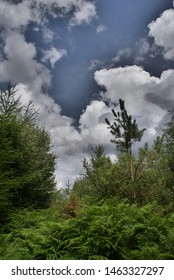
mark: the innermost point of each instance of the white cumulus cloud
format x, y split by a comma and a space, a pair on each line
147, 98
162, 30
20, 64
15, 15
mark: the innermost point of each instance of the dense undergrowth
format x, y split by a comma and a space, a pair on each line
115, 211
110, 230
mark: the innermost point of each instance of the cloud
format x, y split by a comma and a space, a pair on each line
52, 55
143, 94
142, 49
163, 32
92, 123
15, 15
19, 15
137, 54
48, 35
122, 54
84, 13
95, 63
163, 95
20, 64
101, 28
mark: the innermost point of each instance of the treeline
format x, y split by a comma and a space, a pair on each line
120, 210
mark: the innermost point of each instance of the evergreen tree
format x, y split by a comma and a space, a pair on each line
97, 176
168, 140
124, 129
126, 133
27, 162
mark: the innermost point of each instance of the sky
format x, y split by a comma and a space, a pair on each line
76, 58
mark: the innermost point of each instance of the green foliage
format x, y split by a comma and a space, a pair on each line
150, 175
96, 181
114, 230
168, 138
27, 233
124, 129
121, 210
27, 163
126, 133
9, 105
111, 230
154, 174
103, 179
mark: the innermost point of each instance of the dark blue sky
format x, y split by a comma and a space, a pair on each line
126, 22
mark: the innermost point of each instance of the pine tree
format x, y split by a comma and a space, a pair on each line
126, 133
124, 129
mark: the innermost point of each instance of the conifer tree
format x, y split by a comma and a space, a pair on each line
27, 163
168, 139
125, 129
126, 133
